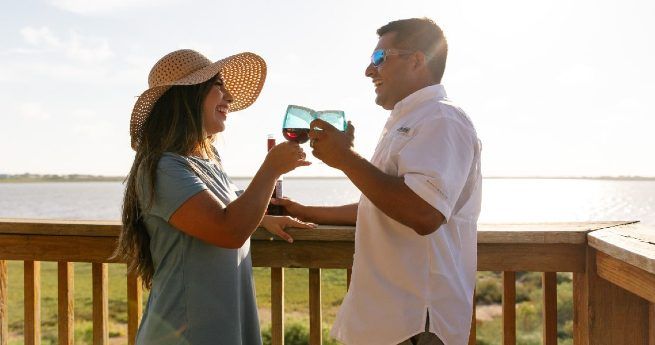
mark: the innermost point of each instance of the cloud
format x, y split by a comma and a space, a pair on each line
40, 36
32, 111
97, 7
76, 46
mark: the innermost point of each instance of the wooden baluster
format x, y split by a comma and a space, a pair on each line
651, 324
66, 302
4, 319
472, 332
509, 308
32, 306
549, 289
349, 273
100, 303
315, 322
134, 306
277, 305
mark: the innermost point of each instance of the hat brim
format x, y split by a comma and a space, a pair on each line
243, 74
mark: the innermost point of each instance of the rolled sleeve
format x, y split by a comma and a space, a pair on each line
435, 162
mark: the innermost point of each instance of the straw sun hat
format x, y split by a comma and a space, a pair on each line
243, 75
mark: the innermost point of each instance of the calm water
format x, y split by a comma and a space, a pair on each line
504, 200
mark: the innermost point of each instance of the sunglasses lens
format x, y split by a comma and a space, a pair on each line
377, 58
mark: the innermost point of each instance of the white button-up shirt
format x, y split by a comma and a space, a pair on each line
399, 276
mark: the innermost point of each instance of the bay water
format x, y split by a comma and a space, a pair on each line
505, 200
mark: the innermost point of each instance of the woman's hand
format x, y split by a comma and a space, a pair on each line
285, 157
277, 224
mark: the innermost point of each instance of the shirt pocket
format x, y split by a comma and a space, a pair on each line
392, 148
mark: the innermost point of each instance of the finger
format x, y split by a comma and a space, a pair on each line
350, 130
295, 223
281, 201
280, 232
318, 123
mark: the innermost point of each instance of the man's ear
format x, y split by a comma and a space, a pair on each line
419, 60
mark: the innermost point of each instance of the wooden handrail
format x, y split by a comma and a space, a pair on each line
547, 248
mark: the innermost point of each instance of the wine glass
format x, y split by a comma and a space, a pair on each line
297, 119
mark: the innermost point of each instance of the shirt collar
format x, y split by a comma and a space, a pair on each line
410, 102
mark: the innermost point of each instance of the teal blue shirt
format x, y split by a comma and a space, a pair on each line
201, 294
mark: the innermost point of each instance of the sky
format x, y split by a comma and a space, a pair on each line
554, 88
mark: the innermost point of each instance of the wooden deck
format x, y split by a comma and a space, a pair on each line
613, 265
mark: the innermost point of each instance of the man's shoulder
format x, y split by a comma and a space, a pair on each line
443, 110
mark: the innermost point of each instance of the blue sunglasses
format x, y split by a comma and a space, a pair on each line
380, 55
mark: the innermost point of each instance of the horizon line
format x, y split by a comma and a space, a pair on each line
527, 177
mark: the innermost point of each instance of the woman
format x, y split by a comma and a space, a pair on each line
185, 230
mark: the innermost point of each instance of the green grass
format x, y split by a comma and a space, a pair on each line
333, 290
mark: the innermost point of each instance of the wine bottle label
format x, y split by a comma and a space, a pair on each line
278, 189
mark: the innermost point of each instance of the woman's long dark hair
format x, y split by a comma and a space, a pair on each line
175, 125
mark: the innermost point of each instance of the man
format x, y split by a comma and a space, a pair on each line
415, 241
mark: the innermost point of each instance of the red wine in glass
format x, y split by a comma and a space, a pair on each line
300, 135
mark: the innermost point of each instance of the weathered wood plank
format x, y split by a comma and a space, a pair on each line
277, 305
315, 310
549, 289
65, 303
134, 305
308, 254
509, 308
57, 248
59, 227
629, 277
606, 314
569, 232
561, 257
100, 303
32, 288
332, 233
633, 244
4, 318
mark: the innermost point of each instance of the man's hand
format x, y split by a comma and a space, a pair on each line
276, 225
330, 145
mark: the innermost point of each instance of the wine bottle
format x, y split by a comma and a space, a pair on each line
274, 210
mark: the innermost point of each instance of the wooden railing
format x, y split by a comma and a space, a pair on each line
613, 274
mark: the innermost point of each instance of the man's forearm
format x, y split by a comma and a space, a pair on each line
334, 215
392, 196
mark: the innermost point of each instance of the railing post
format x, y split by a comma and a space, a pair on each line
315, 322
509, 308
604, 313
651, 324
4, 319
32, 280
66, 302
134, 306
473, 331
549, 290
349, 273
277, 306
100, 303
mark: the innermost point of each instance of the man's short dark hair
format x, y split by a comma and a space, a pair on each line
424, 35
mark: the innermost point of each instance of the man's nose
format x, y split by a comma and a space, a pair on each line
370, 70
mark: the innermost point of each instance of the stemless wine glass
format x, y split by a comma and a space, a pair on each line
297, 119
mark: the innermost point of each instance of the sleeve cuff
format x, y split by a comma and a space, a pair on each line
430, 190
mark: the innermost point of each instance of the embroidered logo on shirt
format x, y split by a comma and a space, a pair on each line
403, 130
